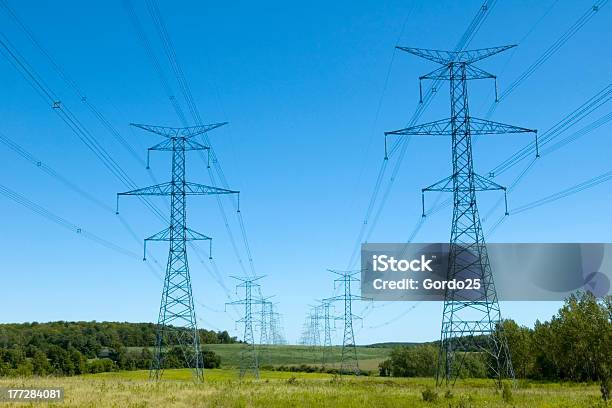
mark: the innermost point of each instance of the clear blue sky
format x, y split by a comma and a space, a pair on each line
300, 84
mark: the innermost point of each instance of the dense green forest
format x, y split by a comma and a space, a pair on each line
575, 345
71, 348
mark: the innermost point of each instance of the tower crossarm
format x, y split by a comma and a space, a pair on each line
440, 127
202, 189
447, 57
168, 145
444, 127
166, 235
444, 73
190, 235
480, 184
488, 127
190, 189
184, 132
447, 185
343, 297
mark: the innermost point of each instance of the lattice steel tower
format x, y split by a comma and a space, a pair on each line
177, 320
349, 361
470, 322
327, 344
248, 355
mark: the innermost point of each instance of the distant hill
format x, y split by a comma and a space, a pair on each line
392, 344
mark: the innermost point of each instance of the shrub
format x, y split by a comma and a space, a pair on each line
429, 395
413, 361
605, 389
507, 393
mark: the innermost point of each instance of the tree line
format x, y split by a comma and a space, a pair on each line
575, 345
72, 348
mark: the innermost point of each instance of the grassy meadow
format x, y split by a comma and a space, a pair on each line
292, 355
222, 388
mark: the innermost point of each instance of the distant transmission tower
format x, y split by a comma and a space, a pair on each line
264, 321
248, 354
276, 325
176, 324
273, 329
348, 362
265, 330
327, 343
315, 317
469, 322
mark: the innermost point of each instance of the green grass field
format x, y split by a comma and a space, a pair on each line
292, 355
288, 355
222, 388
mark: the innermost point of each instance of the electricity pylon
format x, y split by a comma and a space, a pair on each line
176, 323
305, 336
315, 317
348, 362
470, 321
264, 329
327, 344
273, 329
248, 355
264, 322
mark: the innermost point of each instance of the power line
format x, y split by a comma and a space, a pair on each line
144, 42
565, 123
549, 52
71, 83
77, 127
587, 184
63, 222
569, 120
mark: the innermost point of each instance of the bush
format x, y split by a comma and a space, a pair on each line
605, 389
429, 395
412, 361
507, 393
100, 365
384, 368
211, 359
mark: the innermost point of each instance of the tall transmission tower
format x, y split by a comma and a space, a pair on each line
248, 355
176, 324
348, 362
469, 322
